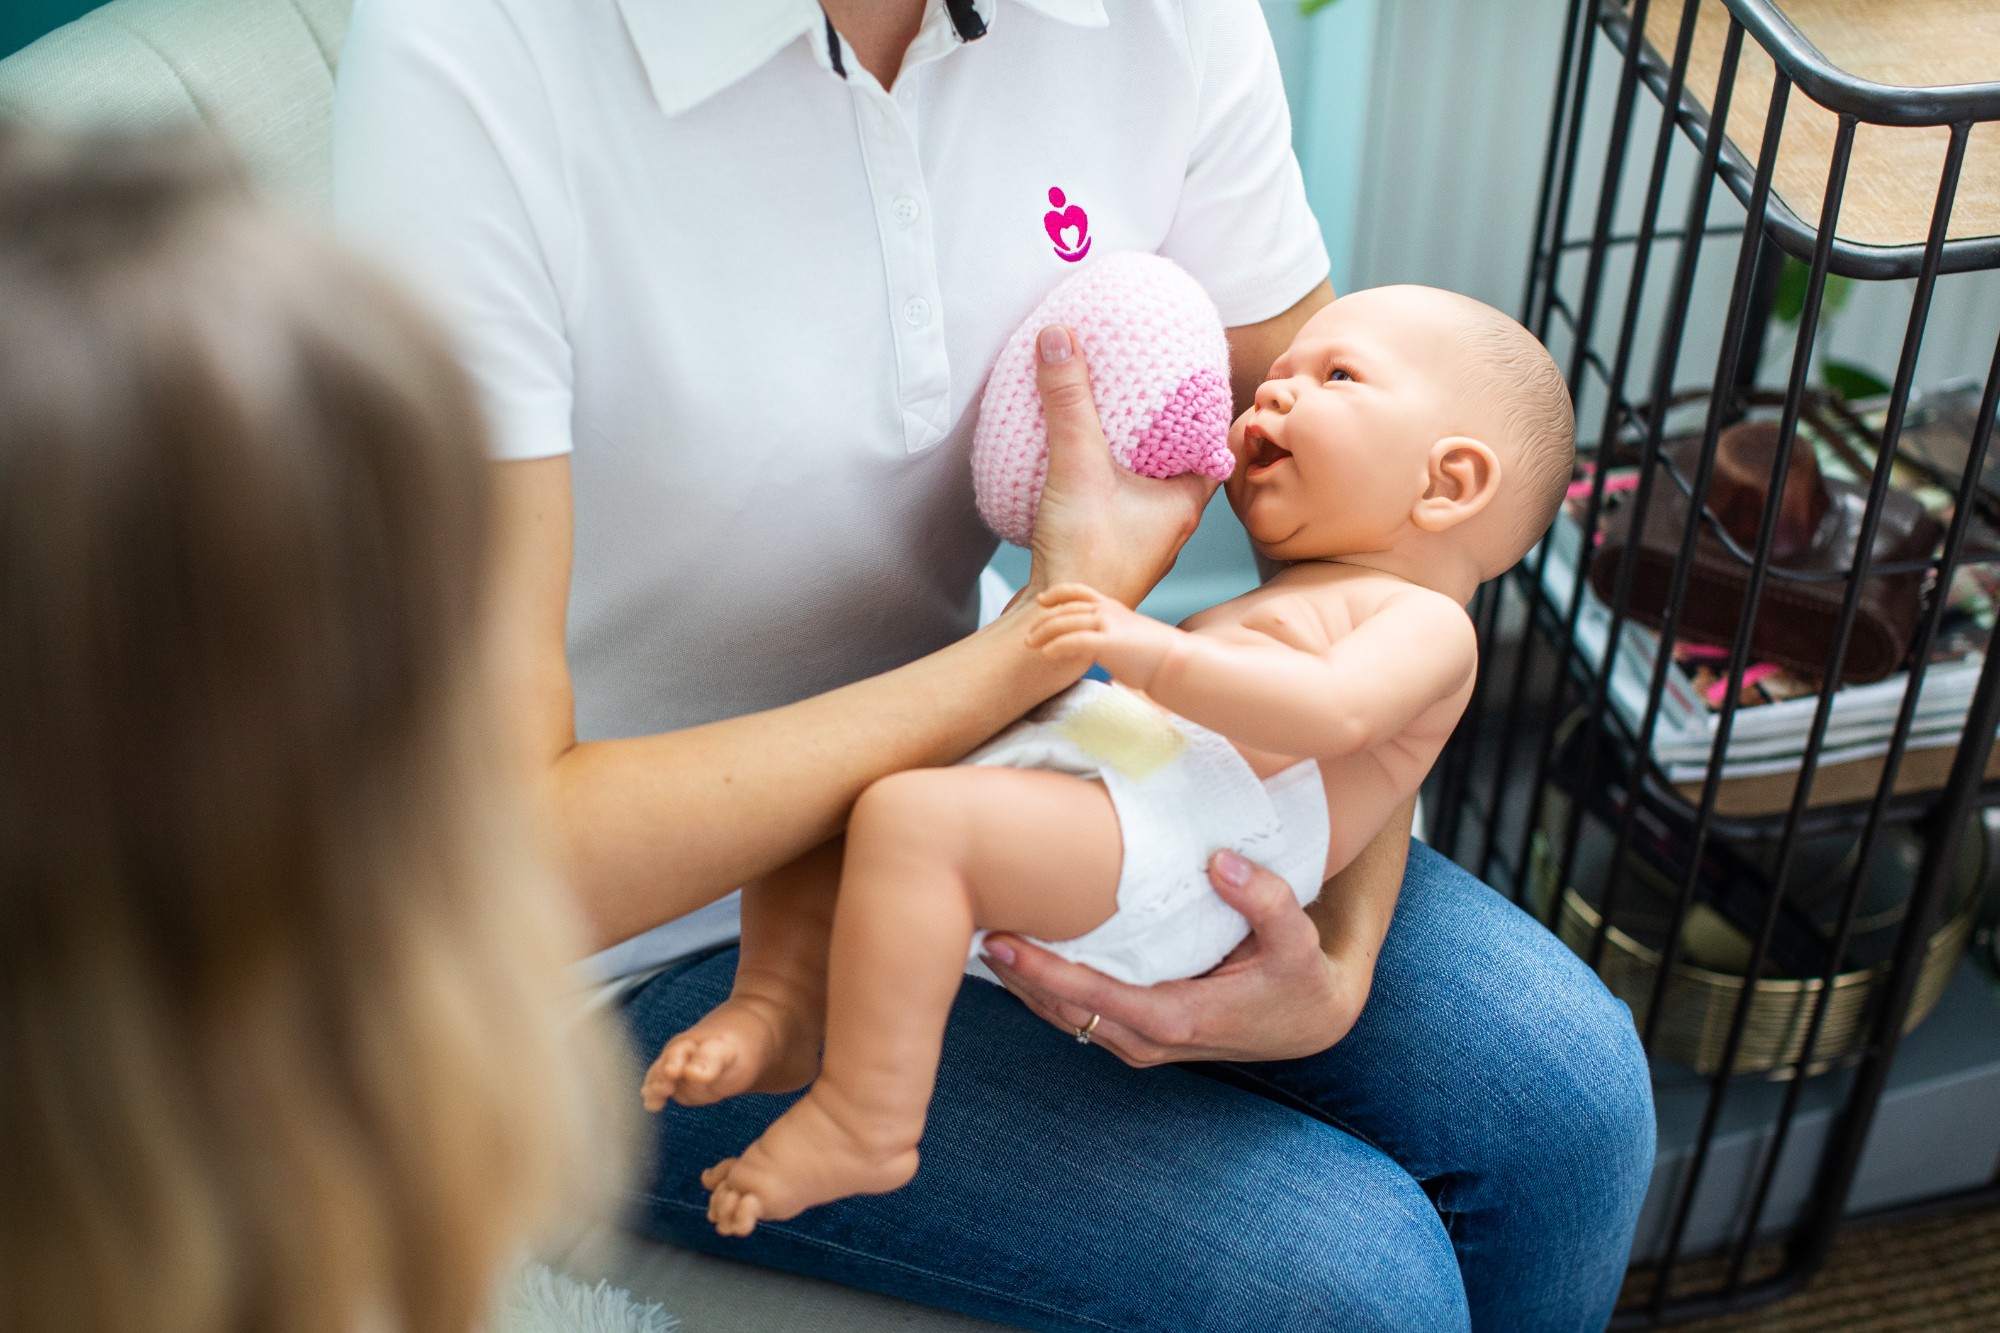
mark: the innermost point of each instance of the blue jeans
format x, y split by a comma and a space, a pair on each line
1472, 1155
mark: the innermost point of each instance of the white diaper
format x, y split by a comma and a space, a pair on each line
1182, 793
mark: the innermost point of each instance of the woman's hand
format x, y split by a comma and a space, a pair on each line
1098, 523
1277, 997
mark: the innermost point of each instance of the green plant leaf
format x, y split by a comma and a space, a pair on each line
1852, 382
1794, 279
1791, 299
1308, 8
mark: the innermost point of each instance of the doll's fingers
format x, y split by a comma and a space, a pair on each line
1068, 617
1056, 626
1074, 648
716, 1174
1062, 621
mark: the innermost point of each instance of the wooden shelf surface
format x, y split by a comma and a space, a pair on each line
1892, 182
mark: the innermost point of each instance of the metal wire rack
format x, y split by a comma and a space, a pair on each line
1555, 786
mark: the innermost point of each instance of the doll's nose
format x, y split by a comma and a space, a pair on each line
1276, 395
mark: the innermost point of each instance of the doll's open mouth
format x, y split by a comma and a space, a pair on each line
1264, 454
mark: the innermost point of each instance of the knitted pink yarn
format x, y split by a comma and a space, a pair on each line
1159, 369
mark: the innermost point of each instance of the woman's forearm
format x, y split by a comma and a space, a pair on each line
650, 828
1354, 909
653, 827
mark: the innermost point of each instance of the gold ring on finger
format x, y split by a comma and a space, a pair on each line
1083, 1033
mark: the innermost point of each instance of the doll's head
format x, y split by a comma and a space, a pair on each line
1410, 428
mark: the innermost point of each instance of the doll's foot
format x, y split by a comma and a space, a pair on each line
748, 1043
808, 1157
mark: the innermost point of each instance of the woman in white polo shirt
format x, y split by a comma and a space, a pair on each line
730, 274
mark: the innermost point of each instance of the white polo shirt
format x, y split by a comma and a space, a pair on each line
696, 246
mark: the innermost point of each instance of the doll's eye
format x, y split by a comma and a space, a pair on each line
1337, 374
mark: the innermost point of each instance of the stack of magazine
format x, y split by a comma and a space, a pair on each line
1776, 706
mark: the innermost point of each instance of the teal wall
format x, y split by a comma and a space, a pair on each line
21, 21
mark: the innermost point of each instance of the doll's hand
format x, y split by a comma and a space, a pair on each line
1078, 624
1098, 523
1277, 997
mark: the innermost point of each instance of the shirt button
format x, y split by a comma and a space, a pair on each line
917, 311
906, 210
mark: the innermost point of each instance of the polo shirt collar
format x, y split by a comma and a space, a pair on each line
693, 49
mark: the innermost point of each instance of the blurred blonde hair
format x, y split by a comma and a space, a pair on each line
283, 1036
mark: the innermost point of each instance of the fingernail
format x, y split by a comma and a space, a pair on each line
1000, 953
1232, 868
1055, 345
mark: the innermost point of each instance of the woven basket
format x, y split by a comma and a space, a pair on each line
1701, 996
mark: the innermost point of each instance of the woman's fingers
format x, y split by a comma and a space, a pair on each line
1275, 997
1098, 523
1113, 1036
1070, 994
1265, 900
1076, 438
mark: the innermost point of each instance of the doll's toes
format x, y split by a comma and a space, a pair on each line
663, 1077
708, 1060
738, 1213
715, 1175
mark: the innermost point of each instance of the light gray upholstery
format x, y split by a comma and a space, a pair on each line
260, 73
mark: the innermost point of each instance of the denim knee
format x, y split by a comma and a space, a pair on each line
1561, 1093
1375, 1259
1583, 1134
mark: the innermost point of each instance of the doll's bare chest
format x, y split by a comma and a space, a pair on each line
1310, 622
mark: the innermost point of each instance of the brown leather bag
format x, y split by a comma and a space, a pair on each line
1819, 530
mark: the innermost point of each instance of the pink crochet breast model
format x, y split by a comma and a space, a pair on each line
1159, 369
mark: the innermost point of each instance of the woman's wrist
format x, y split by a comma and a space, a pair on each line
1117, 573
1030, 676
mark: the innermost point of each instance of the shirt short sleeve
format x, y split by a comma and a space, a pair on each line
1243, 228
447, 168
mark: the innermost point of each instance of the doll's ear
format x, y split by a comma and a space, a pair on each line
1464, 478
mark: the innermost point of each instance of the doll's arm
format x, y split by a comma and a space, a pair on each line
1415, 650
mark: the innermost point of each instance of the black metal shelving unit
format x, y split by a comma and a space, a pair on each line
1553, 793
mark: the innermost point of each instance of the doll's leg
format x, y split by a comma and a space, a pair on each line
766, 1036
930, 855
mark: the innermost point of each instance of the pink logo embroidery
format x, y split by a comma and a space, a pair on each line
1068, 226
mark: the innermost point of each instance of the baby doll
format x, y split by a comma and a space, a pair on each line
1408, 445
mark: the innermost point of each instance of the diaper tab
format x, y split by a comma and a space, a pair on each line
1123, 732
